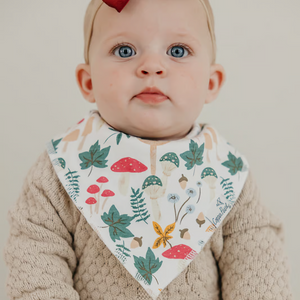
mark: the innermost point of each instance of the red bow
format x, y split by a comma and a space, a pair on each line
117, 4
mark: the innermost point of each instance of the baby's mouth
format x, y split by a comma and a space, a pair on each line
151, 98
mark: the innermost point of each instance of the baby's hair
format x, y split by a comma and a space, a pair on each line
94, 6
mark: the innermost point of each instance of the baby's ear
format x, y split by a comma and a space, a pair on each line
216, 81
84, 81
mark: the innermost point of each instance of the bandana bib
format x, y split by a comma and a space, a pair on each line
154, 203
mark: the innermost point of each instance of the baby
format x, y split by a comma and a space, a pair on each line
191, 225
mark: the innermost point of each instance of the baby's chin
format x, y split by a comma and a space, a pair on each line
155, 132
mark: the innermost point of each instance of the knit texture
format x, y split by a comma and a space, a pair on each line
53, 253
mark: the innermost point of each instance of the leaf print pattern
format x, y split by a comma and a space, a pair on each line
55, 144
164, 235
121, 252
119, 135
95, 157
227, 186
138, 206
147, 266
72, 183
194, 156
117, 224
233, 164
52, 146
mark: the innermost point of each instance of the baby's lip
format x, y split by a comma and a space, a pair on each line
152, 90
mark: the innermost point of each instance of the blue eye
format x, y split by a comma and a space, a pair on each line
126, 51
178, 50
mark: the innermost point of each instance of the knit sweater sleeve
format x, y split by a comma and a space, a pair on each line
39, 251
252, 263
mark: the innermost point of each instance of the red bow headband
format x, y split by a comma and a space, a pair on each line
119, 5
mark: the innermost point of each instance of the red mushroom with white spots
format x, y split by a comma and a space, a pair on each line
107, 194
101, 180
90, 201
181, 252
126, 166
93, 189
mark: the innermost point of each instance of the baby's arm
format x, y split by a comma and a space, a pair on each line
39, 251
252, 263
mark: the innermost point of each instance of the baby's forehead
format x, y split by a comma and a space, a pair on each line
181, 34
183, 19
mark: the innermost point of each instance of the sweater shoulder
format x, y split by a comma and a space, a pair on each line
42, 181
249, 211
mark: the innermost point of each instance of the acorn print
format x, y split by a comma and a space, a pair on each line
183, 180
136, 242
200, 220
184, 234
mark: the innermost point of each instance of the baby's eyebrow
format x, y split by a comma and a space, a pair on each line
180, 34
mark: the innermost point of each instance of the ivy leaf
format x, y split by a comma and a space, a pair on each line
119, 136
55, 143
233, 164
117, 224
194, 156
95, 157
147, 266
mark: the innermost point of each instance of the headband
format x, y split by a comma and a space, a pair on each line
95, 5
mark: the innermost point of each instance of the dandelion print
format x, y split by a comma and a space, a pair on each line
188, 210
191, 193
199, 185
173, 198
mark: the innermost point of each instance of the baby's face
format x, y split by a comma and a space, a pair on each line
151, 57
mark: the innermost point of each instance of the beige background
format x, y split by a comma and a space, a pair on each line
257, 110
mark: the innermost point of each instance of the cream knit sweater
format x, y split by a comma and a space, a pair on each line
53, 253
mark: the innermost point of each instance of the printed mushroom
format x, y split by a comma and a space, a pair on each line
126, 166
214, 135
181, 252
210, 177
153, 147
107, 194
153, 188
93, 189
90, 201
87, 130
71, 137
60, 163
209, 142
169, 162
101, 180
100, 123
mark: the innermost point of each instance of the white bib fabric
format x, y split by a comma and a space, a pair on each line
154, 203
